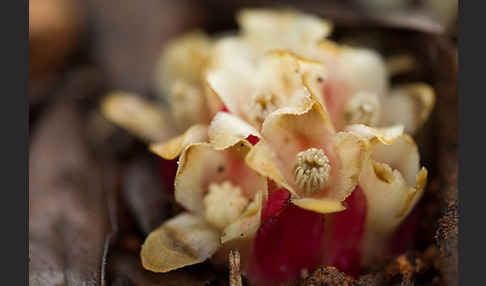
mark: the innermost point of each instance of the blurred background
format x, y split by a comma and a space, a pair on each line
122, 39
82, 228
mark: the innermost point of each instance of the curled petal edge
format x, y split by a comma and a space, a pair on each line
227, 130
171, 149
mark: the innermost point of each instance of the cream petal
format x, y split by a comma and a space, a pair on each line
393, 184
384, 135
314, 75
183, 240
280, 72
293, 122
389, 196
351, 154
201, 165
227, 130
288, 133
231, 74
363, 69
141, 117
265, 157
246, 226
402, 155
252, 91
182, 59
187, 105
213, 101
284, 29
232, 89
294, 79
233, 53
389, 200
319, 205
353, 72
362, 108
171, 149
409, 105
241, 233
179, 79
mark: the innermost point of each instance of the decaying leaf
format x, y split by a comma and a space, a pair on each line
146, 196
68, 219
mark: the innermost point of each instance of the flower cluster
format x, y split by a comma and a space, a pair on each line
291, 148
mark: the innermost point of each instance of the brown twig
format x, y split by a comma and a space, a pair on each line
234, 263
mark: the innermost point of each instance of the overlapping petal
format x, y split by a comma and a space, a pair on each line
227, 130
252, 90
214, 184
201, 165
392, 181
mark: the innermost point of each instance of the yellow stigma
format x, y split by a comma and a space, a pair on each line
223, 204
312, 170
362, 109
